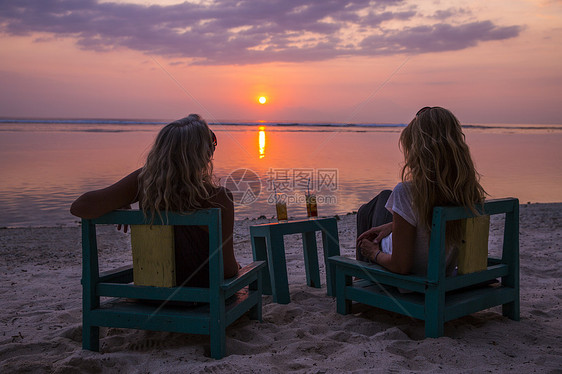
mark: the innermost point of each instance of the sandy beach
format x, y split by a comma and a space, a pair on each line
40, 318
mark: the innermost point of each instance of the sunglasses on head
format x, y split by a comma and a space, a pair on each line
214, 138
425, 108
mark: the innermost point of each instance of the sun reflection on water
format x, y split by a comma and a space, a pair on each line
261, 141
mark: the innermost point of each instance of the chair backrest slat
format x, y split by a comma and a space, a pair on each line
154, 255
216, 266
473, 251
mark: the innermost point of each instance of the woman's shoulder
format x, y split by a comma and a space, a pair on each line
220, 191
400, 202
402, 188
401, 195
221, 195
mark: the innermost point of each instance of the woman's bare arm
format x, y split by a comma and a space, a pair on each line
96, 203
403, 242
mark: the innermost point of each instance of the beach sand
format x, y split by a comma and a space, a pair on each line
40, 316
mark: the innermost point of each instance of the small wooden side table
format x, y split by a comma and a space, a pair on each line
268, 245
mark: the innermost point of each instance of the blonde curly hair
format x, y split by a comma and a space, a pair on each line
438, 166
178, 174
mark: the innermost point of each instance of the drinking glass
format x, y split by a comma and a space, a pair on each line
281, 207
311, 206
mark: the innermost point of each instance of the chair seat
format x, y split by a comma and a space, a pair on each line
457, 303
172, 316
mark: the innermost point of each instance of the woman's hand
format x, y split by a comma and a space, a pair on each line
376, 234
125, 227
369, 249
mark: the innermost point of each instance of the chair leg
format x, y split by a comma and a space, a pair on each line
217, 326
343, 306
510, 255
218, 344
433, 329
90, 337
217, 336
434, 310
256, 310
511, 310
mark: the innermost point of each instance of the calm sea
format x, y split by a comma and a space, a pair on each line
46, 164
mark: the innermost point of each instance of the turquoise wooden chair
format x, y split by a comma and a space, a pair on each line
221, 304
437, 298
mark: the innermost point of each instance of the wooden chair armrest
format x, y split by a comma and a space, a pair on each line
483, 277
244, 276
365, 270
123, 274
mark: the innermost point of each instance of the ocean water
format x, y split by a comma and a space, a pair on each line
46, 164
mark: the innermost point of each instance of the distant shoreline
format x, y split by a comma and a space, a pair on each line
283, 124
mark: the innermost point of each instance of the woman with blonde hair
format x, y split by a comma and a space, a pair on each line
177, 177
394, 228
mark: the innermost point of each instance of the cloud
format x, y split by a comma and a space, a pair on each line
438, 38
250, 31
443, 14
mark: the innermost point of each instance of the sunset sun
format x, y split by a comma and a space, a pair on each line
262, 100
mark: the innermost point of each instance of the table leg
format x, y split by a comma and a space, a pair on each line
278, 268
331, 244
259, 253
310, 251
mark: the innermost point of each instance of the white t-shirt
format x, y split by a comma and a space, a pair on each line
400, 202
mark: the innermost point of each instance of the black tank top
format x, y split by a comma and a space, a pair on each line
192, 256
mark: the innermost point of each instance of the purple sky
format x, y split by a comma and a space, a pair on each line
324, 60
253, 31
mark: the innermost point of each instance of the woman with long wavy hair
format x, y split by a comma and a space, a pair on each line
177, 177
394, 228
